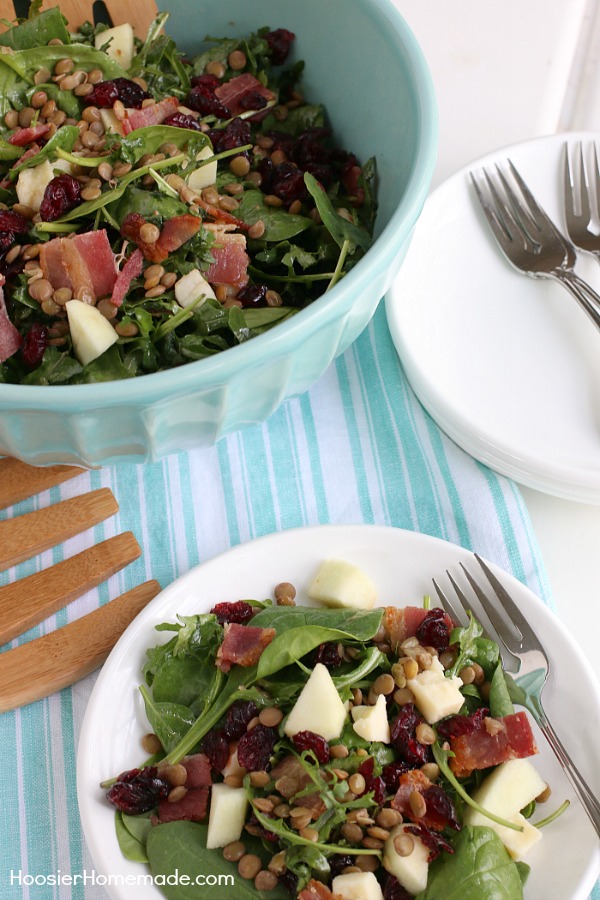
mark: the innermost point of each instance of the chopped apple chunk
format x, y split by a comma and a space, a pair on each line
340, 583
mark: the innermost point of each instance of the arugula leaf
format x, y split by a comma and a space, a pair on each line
480, 867
55, 368
473, 648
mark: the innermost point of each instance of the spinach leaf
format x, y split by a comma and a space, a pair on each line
148, 204
298, 120
280, 225
362, 625
149, 138
169, 721
480, 867
25, 63
499, 701
8, 151
525, 691
130, 846
341, 230
138, 826
294, 643
37, 31
181, 846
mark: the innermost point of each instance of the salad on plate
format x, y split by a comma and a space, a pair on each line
157, 208
343, 751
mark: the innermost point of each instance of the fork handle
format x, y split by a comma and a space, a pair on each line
585, 295
580, 786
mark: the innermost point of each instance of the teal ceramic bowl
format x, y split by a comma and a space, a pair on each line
364, 64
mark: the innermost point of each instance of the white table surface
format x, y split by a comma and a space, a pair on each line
490, 97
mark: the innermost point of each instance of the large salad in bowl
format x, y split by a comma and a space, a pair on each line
340, 752
156, 208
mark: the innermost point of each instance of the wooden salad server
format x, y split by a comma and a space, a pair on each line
59, 659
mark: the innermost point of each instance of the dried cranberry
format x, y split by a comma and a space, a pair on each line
403, 735
34, 345
308, 740
238, 716
329, 655
440, 809
7, 239
256, 828
138, 790
255, 748
202, 98
433, 840
391, 775
252, 100
310, 147
62, 194
239, 612
236, 133
287, 183
434, 630
105, 93
13, 222
253, 295
393, 890
338, 862
373, 783
279, 42
182, 120
289, 881
216, 747
206, 81
455, 726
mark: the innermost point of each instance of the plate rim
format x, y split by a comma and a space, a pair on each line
565, 480
348, 531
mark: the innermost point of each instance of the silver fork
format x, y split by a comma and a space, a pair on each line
527, 236
521, 652
578, 198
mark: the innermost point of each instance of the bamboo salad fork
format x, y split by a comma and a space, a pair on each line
59, 658
521, 653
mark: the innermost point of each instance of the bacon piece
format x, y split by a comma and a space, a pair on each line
80, 262
316, 890
402, 623
175, 232
483, 746
231, 261
191, 808
230, 93
149, 115
132, 268
198, 770
439, 811
96, 252
10, 339
23, 136
242, 645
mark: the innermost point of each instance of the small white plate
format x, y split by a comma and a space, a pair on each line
507, 365
564, 864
